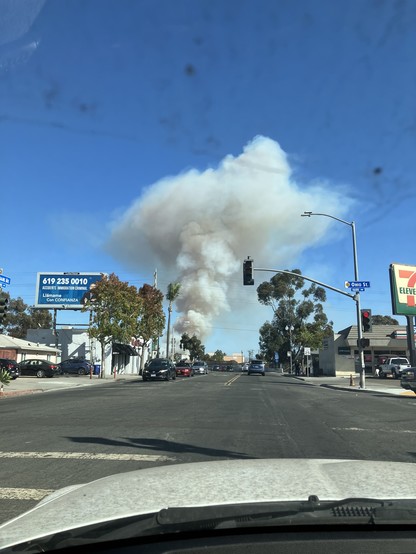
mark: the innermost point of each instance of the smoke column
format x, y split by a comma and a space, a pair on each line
200, 225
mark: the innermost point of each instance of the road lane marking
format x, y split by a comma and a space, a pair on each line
231, 381
88, 456
23, 494
404, 431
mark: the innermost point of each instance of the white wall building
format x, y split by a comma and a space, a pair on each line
75, 343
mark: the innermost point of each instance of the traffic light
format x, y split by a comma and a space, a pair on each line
3, 306
366, 323
248, 272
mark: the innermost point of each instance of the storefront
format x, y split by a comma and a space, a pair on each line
339, 354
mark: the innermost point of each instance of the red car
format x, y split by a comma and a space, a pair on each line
183, 369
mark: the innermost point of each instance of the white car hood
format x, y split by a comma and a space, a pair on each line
209, 483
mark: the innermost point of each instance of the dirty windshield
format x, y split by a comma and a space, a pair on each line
227, 182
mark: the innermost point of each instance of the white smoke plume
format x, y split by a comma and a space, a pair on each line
200, 225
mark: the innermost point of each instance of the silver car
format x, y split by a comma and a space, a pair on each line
200, 368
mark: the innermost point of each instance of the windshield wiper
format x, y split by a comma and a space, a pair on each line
349, 510
357, 511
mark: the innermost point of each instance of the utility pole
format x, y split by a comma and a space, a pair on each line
158, 338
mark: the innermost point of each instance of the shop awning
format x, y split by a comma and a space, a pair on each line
119, 348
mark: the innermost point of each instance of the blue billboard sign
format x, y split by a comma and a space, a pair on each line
64, 290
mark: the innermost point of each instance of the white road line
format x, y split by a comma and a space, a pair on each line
23, 494
88, 456
404, 431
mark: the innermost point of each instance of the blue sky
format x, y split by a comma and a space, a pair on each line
111, 107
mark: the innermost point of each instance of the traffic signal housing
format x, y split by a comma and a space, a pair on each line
248, 272
4, 301
366, 322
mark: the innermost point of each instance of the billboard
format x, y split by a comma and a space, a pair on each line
63, 290
403, 289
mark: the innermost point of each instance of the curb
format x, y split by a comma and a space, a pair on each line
19, 392
352, 389
13, 393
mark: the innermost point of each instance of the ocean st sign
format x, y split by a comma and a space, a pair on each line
355, 286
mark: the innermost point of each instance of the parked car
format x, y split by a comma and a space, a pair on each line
394, 366
184, 369
39, 368
408, 380
159, 369
256, 367
78, 366
200, 368
10, 366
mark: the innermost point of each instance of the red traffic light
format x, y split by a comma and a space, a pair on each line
366, 322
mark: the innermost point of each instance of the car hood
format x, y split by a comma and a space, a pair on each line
209, 484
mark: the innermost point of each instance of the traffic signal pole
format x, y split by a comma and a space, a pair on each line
357, 295
358, 308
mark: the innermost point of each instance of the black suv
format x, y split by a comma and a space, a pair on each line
10, 366
160, 369
79, 366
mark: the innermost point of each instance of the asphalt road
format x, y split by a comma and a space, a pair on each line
74, 435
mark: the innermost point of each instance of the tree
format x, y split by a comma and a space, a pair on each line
384, 320
193, 345
218, 356
152, 321
171, 296
115, 308
299, 319
21, 317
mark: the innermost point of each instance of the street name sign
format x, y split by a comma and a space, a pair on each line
361, 285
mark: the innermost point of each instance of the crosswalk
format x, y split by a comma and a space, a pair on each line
37, 494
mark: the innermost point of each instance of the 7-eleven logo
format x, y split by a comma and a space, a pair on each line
406, 286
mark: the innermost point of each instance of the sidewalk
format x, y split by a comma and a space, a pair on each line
32, 385
372, 385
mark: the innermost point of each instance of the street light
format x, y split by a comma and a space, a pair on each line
357, 296
290, 328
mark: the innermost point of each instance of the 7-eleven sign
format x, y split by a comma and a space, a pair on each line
403, 289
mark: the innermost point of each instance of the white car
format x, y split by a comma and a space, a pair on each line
200, 368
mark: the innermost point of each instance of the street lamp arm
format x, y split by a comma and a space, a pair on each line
308, 214
353, 296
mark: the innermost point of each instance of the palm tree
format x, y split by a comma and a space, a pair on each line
172, 295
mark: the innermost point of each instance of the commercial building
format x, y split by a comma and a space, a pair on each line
339, 353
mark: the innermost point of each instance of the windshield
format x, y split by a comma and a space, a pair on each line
226, 182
